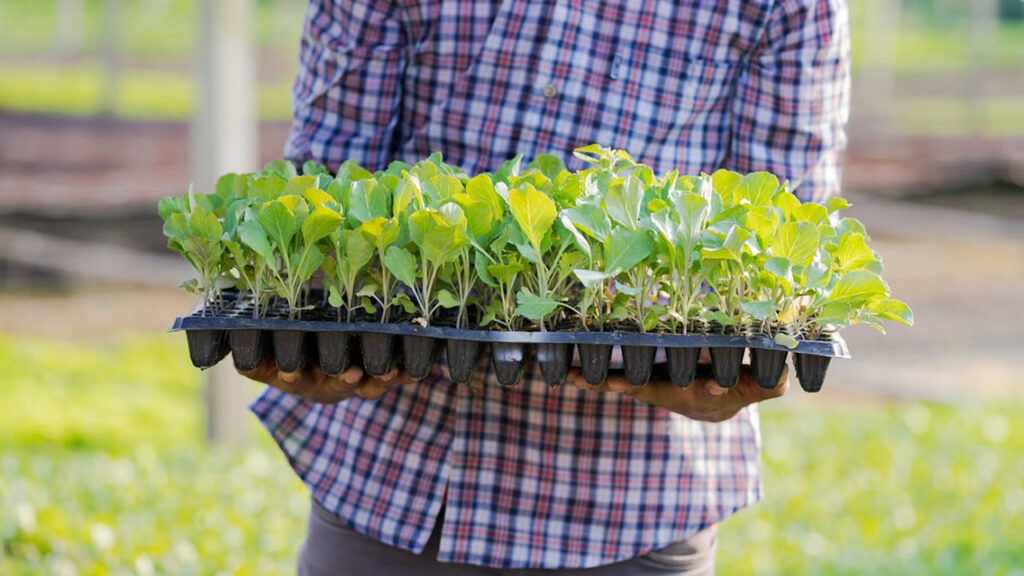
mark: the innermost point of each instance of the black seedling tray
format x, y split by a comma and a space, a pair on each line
378, 347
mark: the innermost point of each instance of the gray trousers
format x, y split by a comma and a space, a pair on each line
331, 548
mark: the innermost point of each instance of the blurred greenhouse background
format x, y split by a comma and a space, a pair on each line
909, 462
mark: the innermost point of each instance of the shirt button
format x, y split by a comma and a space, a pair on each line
550, 91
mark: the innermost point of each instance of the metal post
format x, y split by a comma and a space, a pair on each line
879, 85
984, 19
224, 139
110, 55
68, 25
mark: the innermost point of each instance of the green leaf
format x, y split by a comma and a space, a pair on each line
692, 210
763, 222
282, 168
253, 236
447, 299
367, 304
591, 219
665, 227
437, 238
509, 169
528, 252
534, 212
756, 188
319, 224
549, 165
836, 203
797, 242
504, 273
533, 307
358, 250
590, 278
625, 201
837, 313
205, 225
851, 226
477, 214
725, 183
590, 154
810, 212
732, 246
624, 249
299, 184
367, 201
853, 253
316, 197
857, 287
170, 205
403, 301
334, 297
442, 187
308, 265
481, 188
176, 227
402, 264
267, 188
786, 340
759, 310
382, 230
721, 317
225, 187
787, 203
480, 263
351, 170
278, 222
579, 240
893, 309
780, 267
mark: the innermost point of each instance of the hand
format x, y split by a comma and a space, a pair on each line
315, 386
702, 400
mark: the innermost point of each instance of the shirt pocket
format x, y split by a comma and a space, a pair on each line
329, 53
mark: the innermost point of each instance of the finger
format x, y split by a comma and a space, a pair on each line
618, 383
403, 378
394, 377
371, 389
338, 384
353, 375
388, 376
714, 388
265, 372
576, 378
705, 356
327, 395
289, 378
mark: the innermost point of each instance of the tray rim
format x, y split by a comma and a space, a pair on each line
835, 348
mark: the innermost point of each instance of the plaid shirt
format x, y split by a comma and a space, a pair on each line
537, 478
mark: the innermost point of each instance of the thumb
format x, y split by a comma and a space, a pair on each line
713, 388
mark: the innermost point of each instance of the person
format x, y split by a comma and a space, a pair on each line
429, 477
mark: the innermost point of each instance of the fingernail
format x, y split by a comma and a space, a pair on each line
288, 377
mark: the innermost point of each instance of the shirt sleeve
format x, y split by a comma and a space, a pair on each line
792, 100
347, 94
